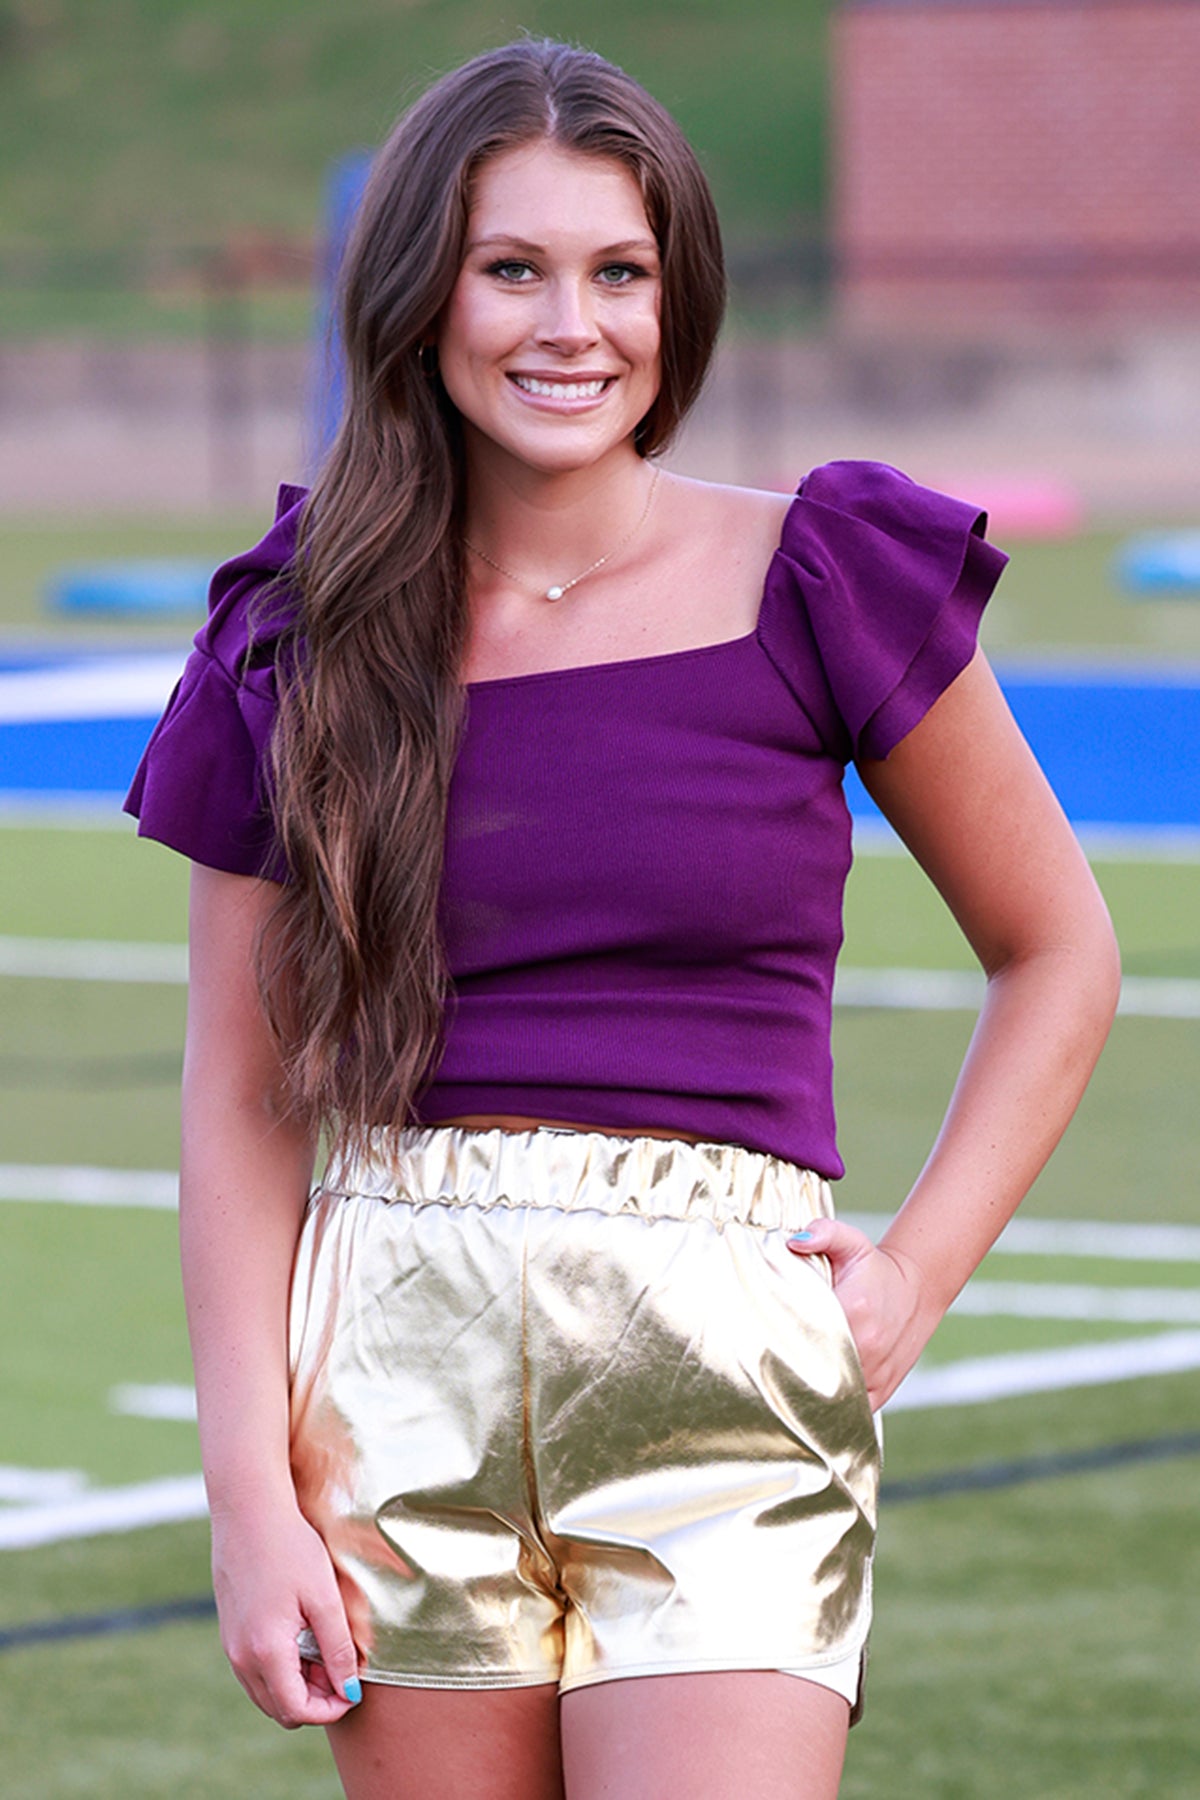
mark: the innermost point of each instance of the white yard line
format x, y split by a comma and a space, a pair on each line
103, 1510
62, 810
28, 809
1125, 1241
82, 1185
898, 990
100, 687
1069, 1300
74, 1185
980, 1378
961, 990
39, 1486
1102, 842
910, 990
91, 959
154, 1400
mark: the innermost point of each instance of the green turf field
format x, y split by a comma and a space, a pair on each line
1034, 1639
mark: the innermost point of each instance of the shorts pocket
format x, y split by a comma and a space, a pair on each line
851, 1341
802, 1288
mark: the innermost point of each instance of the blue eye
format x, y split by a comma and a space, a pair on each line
620, 274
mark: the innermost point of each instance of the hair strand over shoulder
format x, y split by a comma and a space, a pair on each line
351, 967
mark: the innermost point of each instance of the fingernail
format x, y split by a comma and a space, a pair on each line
353, 1690
800, 1237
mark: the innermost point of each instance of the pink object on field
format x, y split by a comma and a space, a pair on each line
1020, 506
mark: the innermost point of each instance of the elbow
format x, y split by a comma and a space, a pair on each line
1109, 970
1099, 959
1094, 973
1075, 968
1096, 990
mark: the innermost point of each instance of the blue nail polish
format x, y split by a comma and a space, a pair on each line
353, 1690
800, 1237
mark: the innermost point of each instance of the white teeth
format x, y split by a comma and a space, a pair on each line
560, 390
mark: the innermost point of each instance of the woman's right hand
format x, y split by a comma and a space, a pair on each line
272, 1577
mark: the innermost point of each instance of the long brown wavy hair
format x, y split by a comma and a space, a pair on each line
351, 966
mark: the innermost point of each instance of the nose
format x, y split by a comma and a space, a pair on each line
568, 321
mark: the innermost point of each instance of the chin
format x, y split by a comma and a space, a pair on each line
561, 457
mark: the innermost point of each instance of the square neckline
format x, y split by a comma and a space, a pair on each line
657, 656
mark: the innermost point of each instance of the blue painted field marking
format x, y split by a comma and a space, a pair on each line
1120, 745
1160, 565
144, 587
79, 756
80, 724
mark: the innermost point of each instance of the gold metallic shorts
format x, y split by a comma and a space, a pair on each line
565, 1408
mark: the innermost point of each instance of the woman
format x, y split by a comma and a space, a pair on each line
510, 767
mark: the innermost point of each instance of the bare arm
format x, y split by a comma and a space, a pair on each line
964, 792
244, 1178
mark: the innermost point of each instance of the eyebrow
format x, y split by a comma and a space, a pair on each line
517, 243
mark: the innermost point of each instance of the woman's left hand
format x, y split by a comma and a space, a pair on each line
882, 1295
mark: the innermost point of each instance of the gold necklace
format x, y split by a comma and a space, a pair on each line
559, 588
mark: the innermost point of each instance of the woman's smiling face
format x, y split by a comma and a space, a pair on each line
549, 344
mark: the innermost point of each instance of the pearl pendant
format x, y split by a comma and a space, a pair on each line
555, 593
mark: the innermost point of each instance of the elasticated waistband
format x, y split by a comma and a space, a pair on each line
592, 1171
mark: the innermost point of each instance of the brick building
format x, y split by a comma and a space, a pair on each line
1016, 164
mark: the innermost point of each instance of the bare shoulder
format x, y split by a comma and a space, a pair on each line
715, 546
724, 538
751, 518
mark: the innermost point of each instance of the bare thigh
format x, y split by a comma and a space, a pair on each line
444, 1744
739, 1735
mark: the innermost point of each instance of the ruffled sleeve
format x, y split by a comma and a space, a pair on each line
873, 601
201, 785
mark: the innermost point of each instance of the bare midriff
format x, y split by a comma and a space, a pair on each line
511, 1122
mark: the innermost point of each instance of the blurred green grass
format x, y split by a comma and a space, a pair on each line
1036, 1644
895, 917
91, 883
1062, 596
89, 1073
1129, 1153
147, 1716
107, 1283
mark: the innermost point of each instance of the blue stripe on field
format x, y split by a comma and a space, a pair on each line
1119, 749
82, 756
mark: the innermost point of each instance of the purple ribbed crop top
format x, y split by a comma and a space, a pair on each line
645, 860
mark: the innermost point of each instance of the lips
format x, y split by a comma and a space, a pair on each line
545, 388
